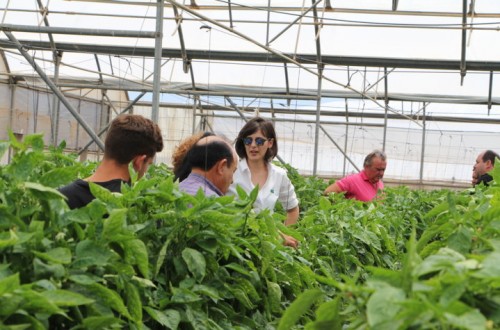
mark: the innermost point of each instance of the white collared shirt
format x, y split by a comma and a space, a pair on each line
277, 187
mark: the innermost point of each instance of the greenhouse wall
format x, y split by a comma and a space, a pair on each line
176, 124
31, 113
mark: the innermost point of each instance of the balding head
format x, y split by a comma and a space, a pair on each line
180, 167
211, 138
216, 159
208, 151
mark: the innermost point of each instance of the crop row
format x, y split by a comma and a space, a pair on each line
155, 258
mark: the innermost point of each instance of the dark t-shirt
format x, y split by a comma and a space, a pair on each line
485, 179
79, 195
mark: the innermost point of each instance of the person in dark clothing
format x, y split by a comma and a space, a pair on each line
130, 139
485, 162
78, 192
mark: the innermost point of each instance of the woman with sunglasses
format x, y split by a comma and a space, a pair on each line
256, 145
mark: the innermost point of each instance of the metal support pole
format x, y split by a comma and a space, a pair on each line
55, 90
185, 61
346, 135
194, 114
318, 118
328, 5
56, 57
99, 71
77, 31
157, 61
12, 86
56, 105
394, 5
471, 13
105, 117
235, 107
490, 91
230, 14
299, 17
288, 101
340, 149
44, 11
303, 121
196, 101
109, 103
270, 56
321, 67
268, 20
386, 107
35, 112
423, 146
77, 142
463, 68
379, 80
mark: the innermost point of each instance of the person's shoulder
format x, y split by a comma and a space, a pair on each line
186, 180
77, 184
278, 169
352, 176
77, 193
192, 180
485, 179
113, 185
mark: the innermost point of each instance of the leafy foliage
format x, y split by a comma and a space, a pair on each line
152, 257
148, 257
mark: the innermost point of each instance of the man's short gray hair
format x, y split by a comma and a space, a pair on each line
375, 153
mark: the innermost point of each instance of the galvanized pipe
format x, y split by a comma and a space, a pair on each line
55, 90
157, 61
422, 155
76, 31
386, 99
320, 66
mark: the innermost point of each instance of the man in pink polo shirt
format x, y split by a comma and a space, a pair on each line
365, 185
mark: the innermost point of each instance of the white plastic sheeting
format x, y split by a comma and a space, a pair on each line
425, 30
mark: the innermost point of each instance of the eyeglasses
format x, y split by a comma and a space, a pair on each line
258, 141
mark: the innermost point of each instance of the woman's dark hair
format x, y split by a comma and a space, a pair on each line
252, 126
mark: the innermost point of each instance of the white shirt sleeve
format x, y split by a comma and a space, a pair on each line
287, 195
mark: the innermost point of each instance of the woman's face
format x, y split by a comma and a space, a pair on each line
256, 145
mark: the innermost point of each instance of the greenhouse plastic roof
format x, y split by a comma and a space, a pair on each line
377, 60
247, 43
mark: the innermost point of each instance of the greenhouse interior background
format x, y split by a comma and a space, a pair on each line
418, 79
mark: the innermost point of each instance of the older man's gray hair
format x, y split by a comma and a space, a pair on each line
375, 153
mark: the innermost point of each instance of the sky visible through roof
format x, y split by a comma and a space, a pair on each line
424, 29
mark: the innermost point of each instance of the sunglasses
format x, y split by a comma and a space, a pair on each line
258, 141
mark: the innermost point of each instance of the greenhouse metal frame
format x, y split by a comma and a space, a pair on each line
354, 80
